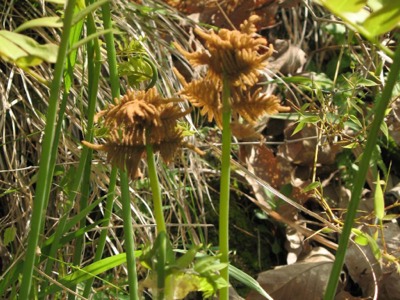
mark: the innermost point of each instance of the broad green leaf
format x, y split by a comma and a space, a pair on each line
384, 19
248, 281
9, 51
341, 6
379, 200
25, 51
55, 22
360, 238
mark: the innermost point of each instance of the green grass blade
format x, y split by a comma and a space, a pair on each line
55, 22
103, 235
248, 281
46, 166
115, 91
89, 271
93, 55
380, 108
128, 234
87, 10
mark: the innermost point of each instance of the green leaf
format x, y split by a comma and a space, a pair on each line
312, 186
360, 238
379, 200
385, 130
87, 10
185, 260
25, 51
89, 271
248, 281
57, 1
208, 264
9, 235
356, 121
299, 127
55, 22
384, 19
344, 6
390, 217
374, 247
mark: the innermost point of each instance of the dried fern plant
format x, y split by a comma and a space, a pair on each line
234, 61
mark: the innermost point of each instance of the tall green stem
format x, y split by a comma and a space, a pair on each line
106, 221
125, 195
159, 216
45, 166
93, 55
380, 108
128, 234
225, 185
155, 189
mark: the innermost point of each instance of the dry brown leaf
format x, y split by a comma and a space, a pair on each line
302, 280
375, 276
302, 150
287, 58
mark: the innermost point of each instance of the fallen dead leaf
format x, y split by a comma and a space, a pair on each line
373, 276
300, 147
287, 58
302, 280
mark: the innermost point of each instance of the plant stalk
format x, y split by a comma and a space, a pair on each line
159, 216
155, 189
46, 166
380, 109
128, 234
225, 185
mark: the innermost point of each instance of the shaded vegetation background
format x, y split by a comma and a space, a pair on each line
330, 78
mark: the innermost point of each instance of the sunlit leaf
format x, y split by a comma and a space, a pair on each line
87, 10
24, 50
376, 250
384, 19
361, 239
248, 281
57, 1
185, 260
379, 200
344, 6
89, 271
299, 127
55, 22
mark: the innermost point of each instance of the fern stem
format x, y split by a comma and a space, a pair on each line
128, 234
225, 186
46, 166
